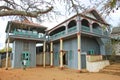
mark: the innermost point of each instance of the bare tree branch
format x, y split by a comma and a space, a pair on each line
5, 7
24, 13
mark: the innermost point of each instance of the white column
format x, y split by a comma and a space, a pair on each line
7, 47
91, 28
44, 54
61, 53
78, 24
66, 29
79, 50
51, 50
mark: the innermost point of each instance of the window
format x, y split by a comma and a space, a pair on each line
26, 46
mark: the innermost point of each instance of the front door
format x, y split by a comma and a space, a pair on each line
26, 56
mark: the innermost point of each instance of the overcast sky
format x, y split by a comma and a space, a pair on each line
115, 19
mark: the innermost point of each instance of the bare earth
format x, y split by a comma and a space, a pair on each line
41, 73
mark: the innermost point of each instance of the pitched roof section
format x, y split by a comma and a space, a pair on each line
26, 23
93, 13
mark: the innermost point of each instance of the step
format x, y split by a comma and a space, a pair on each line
112, 73
113, 68
108, 70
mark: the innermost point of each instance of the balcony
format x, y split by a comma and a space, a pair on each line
62, 33
73, 30
85, 28
57, 35
97, 31
24, 33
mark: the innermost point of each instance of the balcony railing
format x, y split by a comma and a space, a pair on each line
106, 33
58, 34
72, 29
97, 31
28, 34
85, 28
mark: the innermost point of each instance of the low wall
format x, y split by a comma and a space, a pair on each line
96, 66
94, 57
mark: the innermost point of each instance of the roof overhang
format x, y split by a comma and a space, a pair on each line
15, 24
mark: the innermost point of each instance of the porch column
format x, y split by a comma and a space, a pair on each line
61, 53
91, 28
66, 29
79, 50
51, 50
7, 48
44, 48
79, 26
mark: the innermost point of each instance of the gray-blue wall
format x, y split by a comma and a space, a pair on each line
87, 43
18, 49
90, 43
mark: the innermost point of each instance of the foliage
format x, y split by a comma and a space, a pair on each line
48, 8
4, 50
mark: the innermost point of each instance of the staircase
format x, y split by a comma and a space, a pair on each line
113, 69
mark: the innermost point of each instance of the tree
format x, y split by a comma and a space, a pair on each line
37, 8
4, 50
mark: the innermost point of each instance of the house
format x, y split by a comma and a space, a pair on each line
77, 43
115, 36
24, 35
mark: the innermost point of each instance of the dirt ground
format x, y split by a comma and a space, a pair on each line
55, 73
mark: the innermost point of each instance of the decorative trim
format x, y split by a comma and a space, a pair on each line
78, 50
61, 38
61, 50
78, 33
51, 51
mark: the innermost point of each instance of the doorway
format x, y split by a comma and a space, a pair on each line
65, 58
26, 56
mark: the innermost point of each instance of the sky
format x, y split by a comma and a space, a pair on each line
113, 20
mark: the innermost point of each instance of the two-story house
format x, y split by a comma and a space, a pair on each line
24, 35
81, 35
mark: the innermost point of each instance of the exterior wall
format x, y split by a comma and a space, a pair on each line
17, 52
108, 46
56, 52
70, 46
89, 43
39, 58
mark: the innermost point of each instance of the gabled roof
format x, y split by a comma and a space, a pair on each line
95, 15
